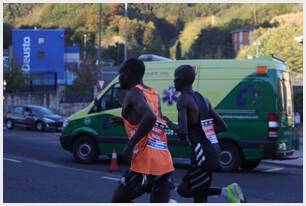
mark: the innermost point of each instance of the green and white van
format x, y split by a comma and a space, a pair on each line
254, 97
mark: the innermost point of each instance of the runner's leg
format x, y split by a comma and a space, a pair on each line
129, 188
161, 189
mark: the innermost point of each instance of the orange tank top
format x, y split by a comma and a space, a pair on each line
151, 154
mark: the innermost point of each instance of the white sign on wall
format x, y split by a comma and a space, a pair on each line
26, 54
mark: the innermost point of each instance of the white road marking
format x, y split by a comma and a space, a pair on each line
273, 169
110, 178
172, 201
54, 165
11, 160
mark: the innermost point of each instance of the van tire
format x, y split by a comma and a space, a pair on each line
230, 156
85, 150
40, 126
250, 164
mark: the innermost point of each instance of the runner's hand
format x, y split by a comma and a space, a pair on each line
127, 152
115, 121
166, 119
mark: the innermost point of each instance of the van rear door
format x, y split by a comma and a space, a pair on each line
286, 119
285, 99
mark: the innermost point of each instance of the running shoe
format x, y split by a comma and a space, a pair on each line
235, 194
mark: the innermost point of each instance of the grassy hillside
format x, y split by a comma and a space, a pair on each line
203, 30
280, 41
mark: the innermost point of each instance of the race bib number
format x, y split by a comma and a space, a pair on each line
155, 137
208, 128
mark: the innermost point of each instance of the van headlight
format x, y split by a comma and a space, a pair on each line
282, 146
66, 122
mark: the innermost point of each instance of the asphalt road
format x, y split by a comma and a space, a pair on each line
37, 169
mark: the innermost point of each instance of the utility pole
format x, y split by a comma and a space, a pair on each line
126, 33
255, 19
100, 34
257, 44
85, 35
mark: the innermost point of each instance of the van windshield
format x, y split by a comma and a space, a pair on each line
286, 104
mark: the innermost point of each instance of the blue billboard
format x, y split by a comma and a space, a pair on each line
39, 50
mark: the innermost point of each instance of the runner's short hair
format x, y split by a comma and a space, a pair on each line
135, 67
187, 72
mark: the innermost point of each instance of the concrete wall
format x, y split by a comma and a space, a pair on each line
49, 99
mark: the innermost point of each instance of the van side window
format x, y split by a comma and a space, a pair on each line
113, 98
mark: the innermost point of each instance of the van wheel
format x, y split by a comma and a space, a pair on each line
250, 164
85, 150
9, 124
230, 156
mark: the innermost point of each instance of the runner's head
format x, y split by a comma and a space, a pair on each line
184, 76
131, 72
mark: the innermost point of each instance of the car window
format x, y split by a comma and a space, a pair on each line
113, 98
17, 110
27, 111
106, 100
118, 96
43, 111
35, 112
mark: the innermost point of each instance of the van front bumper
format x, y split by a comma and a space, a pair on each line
66, 142
285, 155
271, 151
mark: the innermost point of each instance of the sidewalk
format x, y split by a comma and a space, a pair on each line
294, 163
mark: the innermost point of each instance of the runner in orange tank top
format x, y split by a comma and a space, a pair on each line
151, 162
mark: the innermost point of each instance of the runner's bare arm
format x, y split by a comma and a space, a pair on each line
171, 124
182, 132
136, 99
159, 107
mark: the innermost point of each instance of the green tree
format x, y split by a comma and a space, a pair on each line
178, 51
7, 35
280, 42
15, 78
187, 23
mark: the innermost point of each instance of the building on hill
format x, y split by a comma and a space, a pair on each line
242, 37
41, 52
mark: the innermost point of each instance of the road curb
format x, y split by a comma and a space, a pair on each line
282, 163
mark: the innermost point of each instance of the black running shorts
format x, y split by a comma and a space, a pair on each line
147, 183
198, 180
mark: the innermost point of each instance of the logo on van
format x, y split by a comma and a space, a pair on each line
87, 121
247, 95
170, 95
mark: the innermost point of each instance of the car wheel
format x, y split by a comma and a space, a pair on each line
250, 164
85, 150
40, 126
230, 156
9, 124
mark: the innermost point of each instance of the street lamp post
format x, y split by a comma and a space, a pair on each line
126, 33
257, 44
85, 36
100, 25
